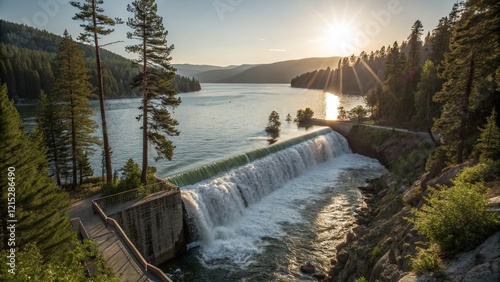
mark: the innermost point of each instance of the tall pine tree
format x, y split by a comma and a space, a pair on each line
55, 130
154, 80
73, 89
95, 23
470, 90
40, 203
425, 108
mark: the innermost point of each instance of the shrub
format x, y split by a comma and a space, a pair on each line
484, 171
426, 261
456, 218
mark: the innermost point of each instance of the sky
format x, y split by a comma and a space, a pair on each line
234, 32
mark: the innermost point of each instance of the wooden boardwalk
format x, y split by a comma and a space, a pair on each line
115, 252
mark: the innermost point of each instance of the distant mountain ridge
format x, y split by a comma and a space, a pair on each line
279, 72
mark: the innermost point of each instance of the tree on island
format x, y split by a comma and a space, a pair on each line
73, 89
304, 116
274, 124
154, 80
342, 113
357, 113
95, 24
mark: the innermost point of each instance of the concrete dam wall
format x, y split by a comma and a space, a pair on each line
155, 225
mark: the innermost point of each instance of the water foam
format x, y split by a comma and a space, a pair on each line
229, 216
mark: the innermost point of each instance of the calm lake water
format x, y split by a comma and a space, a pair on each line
216, 122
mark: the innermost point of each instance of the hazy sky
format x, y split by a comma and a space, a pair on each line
232, 32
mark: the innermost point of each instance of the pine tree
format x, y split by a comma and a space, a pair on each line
440, 41
470, 66
95, 23
49, 121
388, 104
84, 167
40, 203
154, 80
426, 109
415, 44
73, 88
489, 142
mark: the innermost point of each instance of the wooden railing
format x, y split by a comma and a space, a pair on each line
147, 266
77, 225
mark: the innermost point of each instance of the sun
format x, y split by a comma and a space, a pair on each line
339, 38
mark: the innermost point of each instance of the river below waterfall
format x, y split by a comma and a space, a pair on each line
262, 221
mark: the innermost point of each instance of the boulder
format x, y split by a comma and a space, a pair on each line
342, 256
307, 268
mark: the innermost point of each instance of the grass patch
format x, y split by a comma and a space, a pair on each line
376, 252
361, 279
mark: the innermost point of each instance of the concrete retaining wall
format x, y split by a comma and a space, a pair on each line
155, 226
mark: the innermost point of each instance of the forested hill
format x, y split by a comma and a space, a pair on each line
359, 74
26, 65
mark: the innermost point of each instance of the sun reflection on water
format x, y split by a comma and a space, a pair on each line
332, 103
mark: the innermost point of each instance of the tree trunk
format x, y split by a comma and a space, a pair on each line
56, 159
144, 173
465, 112
73, 145
105, 139
80, 168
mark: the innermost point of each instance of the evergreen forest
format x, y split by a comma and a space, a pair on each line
27, 66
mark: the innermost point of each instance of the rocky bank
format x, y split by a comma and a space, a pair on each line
380, 246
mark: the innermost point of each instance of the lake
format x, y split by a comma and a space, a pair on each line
216, 122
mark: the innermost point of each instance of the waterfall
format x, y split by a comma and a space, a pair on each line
201, 173
216, 203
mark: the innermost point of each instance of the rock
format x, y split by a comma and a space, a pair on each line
340, 246
336, 270
342, 256
349, 237
362, 221
482, 272
307, 268
319, 276
481, 264
446, 177
413, 196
